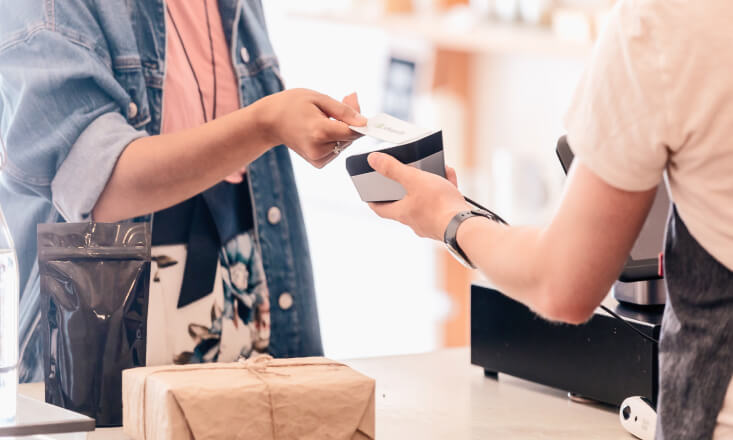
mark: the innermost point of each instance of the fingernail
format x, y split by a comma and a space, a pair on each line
373, 159
361, 118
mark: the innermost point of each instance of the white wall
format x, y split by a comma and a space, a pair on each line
522, 102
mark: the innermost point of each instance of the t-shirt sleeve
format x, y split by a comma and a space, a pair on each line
616, 123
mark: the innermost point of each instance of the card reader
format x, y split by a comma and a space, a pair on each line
425, 153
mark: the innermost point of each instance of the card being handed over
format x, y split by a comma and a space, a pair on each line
412, 145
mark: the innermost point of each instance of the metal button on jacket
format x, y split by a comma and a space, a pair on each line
132, 110
285, 301
245, 54
274, 215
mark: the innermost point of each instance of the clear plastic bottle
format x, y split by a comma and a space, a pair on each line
9, 295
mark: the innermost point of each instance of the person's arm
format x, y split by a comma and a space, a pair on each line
72, 141
157, 172
562, 271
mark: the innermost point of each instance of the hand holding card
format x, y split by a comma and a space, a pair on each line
309, 123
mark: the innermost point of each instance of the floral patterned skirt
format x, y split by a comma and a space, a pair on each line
232, 321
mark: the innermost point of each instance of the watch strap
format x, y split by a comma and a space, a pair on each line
450, 237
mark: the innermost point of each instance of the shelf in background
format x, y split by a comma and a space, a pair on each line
487, 37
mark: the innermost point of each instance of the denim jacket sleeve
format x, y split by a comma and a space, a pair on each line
61, 113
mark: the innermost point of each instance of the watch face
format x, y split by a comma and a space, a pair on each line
458, 257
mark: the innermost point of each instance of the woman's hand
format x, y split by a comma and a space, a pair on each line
431, 201
351, 101
309, 123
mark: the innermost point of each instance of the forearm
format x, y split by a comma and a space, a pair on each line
157, 172
562, 271
530, 265
491, 248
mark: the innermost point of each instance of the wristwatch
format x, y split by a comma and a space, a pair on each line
451, 232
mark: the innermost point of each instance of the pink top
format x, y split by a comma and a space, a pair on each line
181, 101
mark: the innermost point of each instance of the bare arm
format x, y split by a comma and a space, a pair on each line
565, 269
562, 271
157, 172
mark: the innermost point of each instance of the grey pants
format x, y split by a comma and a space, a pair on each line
696, 347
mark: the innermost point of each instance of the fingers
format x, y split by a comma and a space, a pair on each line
353, 102
451, 175
339, 111
328, 154
237, 177
325, 139
392, 168
234, 178
327, 132
320, 163
330, 131
320, 153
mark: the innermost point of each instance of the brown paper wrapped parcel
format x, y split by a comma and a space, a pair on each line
262, 398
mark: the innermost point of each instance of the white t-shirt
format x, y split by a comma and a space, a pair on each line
658, 97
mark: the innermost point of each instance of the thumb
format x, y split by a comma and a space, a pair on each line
340, 111
352, 101
391, 168
451, 175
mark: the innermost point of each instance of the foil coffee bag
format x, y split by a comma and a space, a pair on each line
94, 288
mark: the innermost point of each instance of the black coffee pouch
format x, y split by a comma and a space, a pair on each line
94, 288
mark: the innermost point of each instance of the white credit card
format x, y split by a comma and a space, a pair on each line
390, 129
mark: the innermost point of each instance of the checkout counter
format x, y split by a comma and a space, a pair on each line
440, 395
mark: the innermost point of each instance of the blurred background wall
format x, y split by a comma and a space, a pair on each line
496, 76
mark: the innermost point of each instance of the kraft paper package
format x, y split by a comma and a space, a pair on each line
258, 399
94, 287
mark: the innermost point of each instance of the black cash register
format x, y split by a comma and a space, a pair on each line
609, 358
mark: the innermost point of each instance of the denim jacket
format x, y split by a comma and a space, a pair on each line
79, 81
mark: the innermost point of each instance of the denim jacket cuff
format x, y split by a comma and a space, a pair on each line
84, 173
